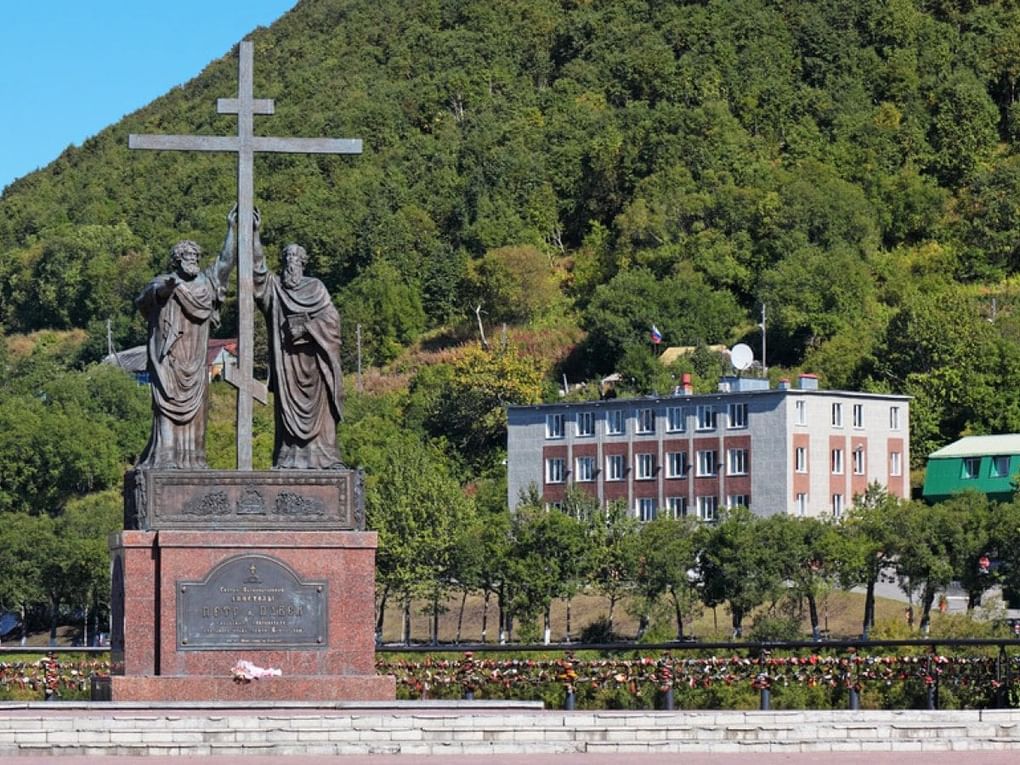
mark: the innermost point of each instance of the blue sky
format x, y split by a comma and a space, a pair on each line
69, 68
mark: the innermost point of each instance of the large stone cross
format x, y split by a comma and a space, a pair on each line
245, 144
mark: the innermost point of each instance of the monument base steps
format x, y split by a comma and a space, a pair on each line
218, 689
427, 729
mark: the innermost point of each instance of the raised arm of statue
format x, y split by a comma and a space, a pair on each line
228, 255
258, 255
260, 272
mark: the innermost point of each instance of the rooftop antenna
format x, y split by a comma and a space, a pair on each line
741, 356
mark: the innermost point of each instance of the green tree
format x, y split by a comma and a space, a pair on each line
667, 555
513, 284
986, 225
611, 563
963, 128
929, 540
1004, 531
809, 552
20, 575
939, 349
464, 402
416, 506
50, 454
872, 538
813, 295
484, 547
975, 516
546, 550
738, 567
387, 307
84, 558
622, 312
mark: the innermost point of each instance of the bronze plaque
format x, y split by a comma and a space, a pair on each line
253, 602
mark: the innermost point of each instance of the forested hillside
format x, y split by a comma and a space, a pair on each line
577, 170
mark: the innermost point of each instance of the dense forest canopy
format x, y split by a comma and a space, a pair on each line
591, 168
575, 171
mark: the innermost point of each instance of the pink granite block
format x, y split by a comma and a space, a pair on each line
295, 688
155, 565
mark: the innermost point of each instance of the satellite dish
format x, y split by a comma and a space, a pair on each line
741, 356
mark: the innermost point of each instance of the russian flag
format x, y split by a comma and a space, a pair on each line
656, 335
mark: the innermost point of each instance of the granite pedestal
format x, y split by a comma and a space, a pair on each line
189, 603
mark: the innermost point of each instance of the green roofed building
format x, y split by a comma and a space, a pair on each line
979, 463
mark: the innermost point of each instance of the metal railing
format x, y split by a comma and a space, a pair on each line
763, 653
758, 659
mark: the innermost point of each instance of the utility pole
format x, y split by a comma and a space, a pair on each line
359, 357
109, 342
764, 367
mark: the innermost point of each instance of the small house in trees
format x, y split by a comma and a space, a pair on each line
134, 360
219, 354
987, 464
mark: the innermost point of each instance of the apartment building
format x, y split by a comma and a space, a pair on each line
791, 449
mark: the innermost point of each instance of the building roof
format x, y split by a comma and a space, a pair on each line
130, 359
216, 345
713, 396
979, 446
674, 352
135, 359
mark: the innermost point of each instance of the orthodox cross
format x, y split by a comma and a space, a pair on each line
245, 144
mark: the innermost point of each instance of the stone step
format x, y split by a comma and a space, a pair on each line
84, 730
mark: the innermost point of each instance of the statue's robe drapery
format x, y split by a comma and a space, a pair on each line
178, 339
304, 347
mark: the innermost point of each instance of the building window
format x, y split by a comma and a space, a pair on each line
676, 464
895, 468
800, 459
707, 462
858, 415
554, 426
586, 423
614, 467
858, 461
677, 507
1000, 466
645, 420
707, 507
837, 505
553, 506
971, 467
801, 505
837, 415
554, 470
894, 418
646, 508
800, 407
706, 417
837, 461
676, 422
736, 462
737, 500
584, 469
645, 466
614, 422
737, 416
